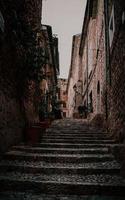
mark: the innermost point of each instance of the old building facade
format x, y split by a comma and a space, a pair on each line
18, 27
62, 86
116, 69
22, 56
102, 59
74, 86
49, 71
92, 55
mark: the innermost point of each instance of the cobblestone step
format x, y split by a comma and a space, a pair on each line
58, 170
77, 135
72, 159
73, 145
76, 131
19, 155
31, 196
77, 138
63, 184
61, 150
80, 141
94, 165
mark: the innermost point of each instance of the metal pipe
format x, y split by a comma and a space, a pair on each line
107, 54
87, 92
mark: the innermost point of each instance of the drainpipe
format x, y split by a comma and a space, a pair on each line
107, 53
87, 92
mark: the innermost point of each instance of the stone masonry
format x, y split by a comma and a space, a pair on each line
72, 161
14, 38
116, 90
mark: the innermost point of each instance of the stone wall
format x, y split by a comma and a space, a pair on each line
116, 91
93, 66
63, 95
75, 74
14, 40
11, 120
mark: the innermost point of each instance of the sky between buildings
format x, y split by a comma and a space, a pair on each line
66, 18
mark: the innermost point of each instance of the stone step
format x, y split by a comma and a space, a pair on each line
31, 196
59, 169
80, 141
82, 135
94, 165
77, 138
61, 150
63, 184
69, 158
74, 126
68, 131
73, 145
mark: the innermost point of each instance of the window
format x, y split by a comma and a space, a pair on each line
1, 22
111, 26
90, 103
90, 60
98, 88
123, 17
64, 105
64, 114
94, 9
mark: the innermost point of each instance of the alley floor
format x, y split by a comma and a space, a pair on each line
73, 161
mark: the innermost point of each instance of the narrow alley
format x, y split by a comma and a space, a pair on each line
73, 161
62, 100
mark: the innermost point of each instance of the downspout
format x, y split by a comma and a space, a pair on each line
87, 91
107, 53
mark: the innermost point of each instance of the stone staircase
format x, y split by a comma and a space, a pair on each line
72, 162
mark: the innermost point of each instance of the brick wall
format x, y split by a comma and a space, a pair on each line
75, 74
11, 120
116, 94
13, 69
93, 56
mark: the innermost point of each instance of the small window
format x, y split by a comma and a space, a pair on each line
64, 114
2, 24
98, 88
90, 103
123, 17
94, 9
111, 26
64, 105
